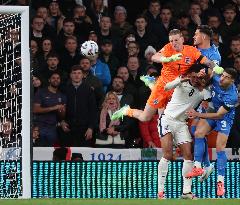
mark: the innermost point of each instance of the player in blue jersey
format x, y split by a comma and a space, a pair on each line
224, 98
202, 40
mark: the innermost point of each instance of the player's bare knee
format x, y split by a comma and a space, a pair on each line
199, 133
168, 155
220, 147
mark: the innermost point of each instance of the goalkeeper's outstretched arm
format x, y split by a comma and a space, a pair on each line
160, 58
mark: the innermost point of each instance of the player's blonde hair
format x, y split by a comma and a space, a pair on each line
175, 32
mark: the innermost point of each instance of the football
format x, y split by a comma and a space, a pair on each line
89, 48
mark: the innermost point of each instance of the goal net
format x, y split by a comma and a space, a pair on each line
15, 181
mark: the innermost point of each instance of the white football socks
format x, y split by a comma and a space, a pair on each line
162, 173
187, 182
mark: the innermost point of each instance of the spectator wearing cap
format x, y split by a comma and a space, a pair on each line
83, 23
120, 26
107, 56
81, 114
92, 36
70, 55
143, 36
149, 52
49, 107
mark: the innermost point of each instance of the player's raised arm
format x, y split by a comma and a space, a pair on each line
160, 58
213, 67
215, 116
178, 81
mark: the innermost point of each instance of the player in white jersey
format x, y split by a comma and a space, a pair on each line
189, 92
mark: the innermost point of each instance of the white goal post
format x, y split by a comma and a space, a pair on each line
25, 113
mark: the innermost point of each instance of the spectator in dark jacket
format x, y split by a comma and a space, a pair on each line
107, 56
80, 120
92, 81
70, 56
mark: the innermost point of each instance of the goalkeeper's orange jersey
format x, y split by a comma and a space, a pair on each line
170, 71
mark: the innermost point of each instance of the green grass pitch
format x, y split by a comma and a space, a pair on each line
120, 202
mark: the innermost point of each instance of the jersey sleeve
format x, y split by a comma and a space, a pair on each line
216, 57
229, 102
207, 95
166, 50
196, 55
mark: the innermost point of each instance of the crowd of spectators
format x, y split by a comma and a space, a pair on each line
74, 96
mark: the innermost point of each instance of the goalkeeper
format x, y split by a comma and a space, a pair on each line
176, 59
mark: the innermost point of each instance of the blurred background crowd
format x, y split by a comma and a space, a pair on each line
74, 96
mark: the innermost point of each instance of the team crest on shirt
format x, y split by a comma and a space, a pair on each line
166, 127
187, 60
155, 102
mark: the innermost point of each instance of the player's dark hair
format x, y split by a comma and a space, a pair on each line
232, 72
206, 30
196, 67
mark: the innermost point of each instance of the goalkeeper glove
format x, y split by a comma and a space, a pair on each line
172, 58
218, 70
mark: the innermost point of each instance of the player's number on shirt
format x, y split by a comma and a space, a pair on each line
224, 123
191, 92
